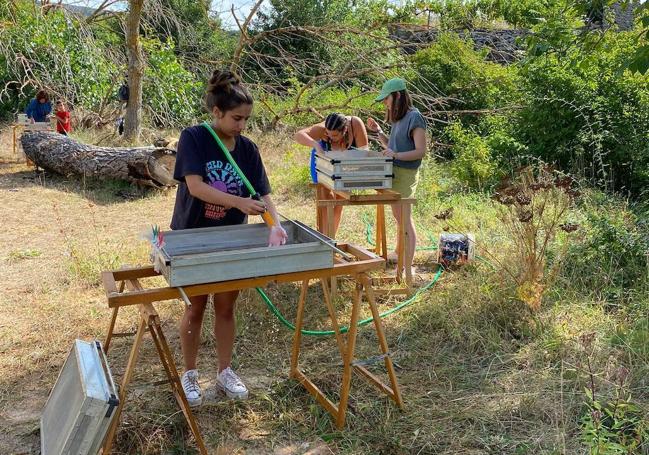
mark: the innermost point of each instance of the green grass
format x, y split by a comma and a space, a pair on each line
479, 372
18, 255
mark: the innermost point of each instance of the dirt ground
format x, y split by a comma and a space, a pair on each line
57, 235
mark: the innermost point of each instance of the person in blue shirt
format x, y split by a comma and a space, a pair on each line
338, 132
40, 108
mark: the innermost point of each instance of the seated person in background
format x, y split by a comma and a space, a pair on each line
62, 118
40, 108
337, 133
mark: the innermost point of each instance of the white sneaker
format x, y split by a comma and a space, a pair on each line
191, 388
231, 384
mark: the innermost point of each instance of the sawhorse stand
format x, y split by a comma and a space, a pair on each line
131, 292
325, 223
346, 348
149, 321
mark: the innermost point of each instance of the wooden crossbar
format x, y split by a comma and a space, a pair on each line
366, 262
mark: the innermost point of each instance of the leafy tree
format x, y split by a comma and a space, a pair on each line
198, 36
586, 114
52, 51
639, 62
172, 94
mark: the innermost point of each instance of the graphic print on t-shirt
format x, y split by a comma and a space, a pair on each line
223, 177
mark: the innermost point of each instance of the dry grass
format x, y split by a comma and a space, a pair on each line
475, 379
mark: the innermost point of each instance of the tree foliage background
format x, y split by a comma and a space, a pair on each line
576, 94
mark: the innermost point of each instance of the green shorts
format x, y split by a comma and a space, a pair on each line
405, 181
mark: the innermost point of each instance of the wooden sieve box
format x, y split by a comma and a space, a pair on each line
354, 169
210, 255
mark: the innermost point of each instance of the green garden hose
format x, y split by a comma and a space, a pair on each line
368, 231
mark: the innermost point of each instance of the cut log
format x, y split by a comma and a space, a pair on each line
147, 166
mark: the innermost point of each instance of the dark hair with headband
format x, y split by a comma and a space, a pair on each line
225, 91
335, 122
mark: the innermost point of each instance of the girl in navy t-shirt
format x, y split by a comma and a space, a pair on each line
211, 193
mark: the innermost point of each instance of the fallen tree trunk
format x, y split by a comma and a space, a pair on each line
148, 166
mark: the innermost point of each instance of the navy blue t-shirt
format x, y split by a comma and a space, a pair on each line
199, 154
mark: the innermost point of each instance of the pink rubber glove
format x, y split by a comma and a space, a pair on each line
277, 236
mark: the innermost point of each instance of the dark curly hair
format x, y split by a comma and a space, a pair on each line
42, 95
225, 91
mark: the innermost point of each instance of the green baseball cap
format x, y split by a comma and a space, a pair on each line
391, 86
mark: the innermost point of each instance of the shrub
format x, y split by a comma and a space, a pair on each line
535, 204
473, 164
585, 114
611, 260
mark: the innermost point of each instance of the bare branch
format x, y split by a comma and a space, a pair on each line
101, 11
243, 38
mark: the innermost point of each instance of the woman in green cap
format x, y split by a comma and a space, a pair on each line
406, 144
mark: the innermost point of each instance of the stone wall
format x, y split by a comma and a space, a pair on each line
504, 45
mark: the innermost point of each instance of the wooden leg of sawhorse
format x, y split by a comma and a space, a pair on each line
346, 350
349, 357
329, 232
337, 411
111, 325
111, 328
394, 392
334, 319
130, 368
380, 242
149, 321
297, 336
295, 355
172, 373
320, 194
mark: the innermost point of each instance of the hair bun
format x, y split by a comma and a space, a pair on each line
222, 81
226, 91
